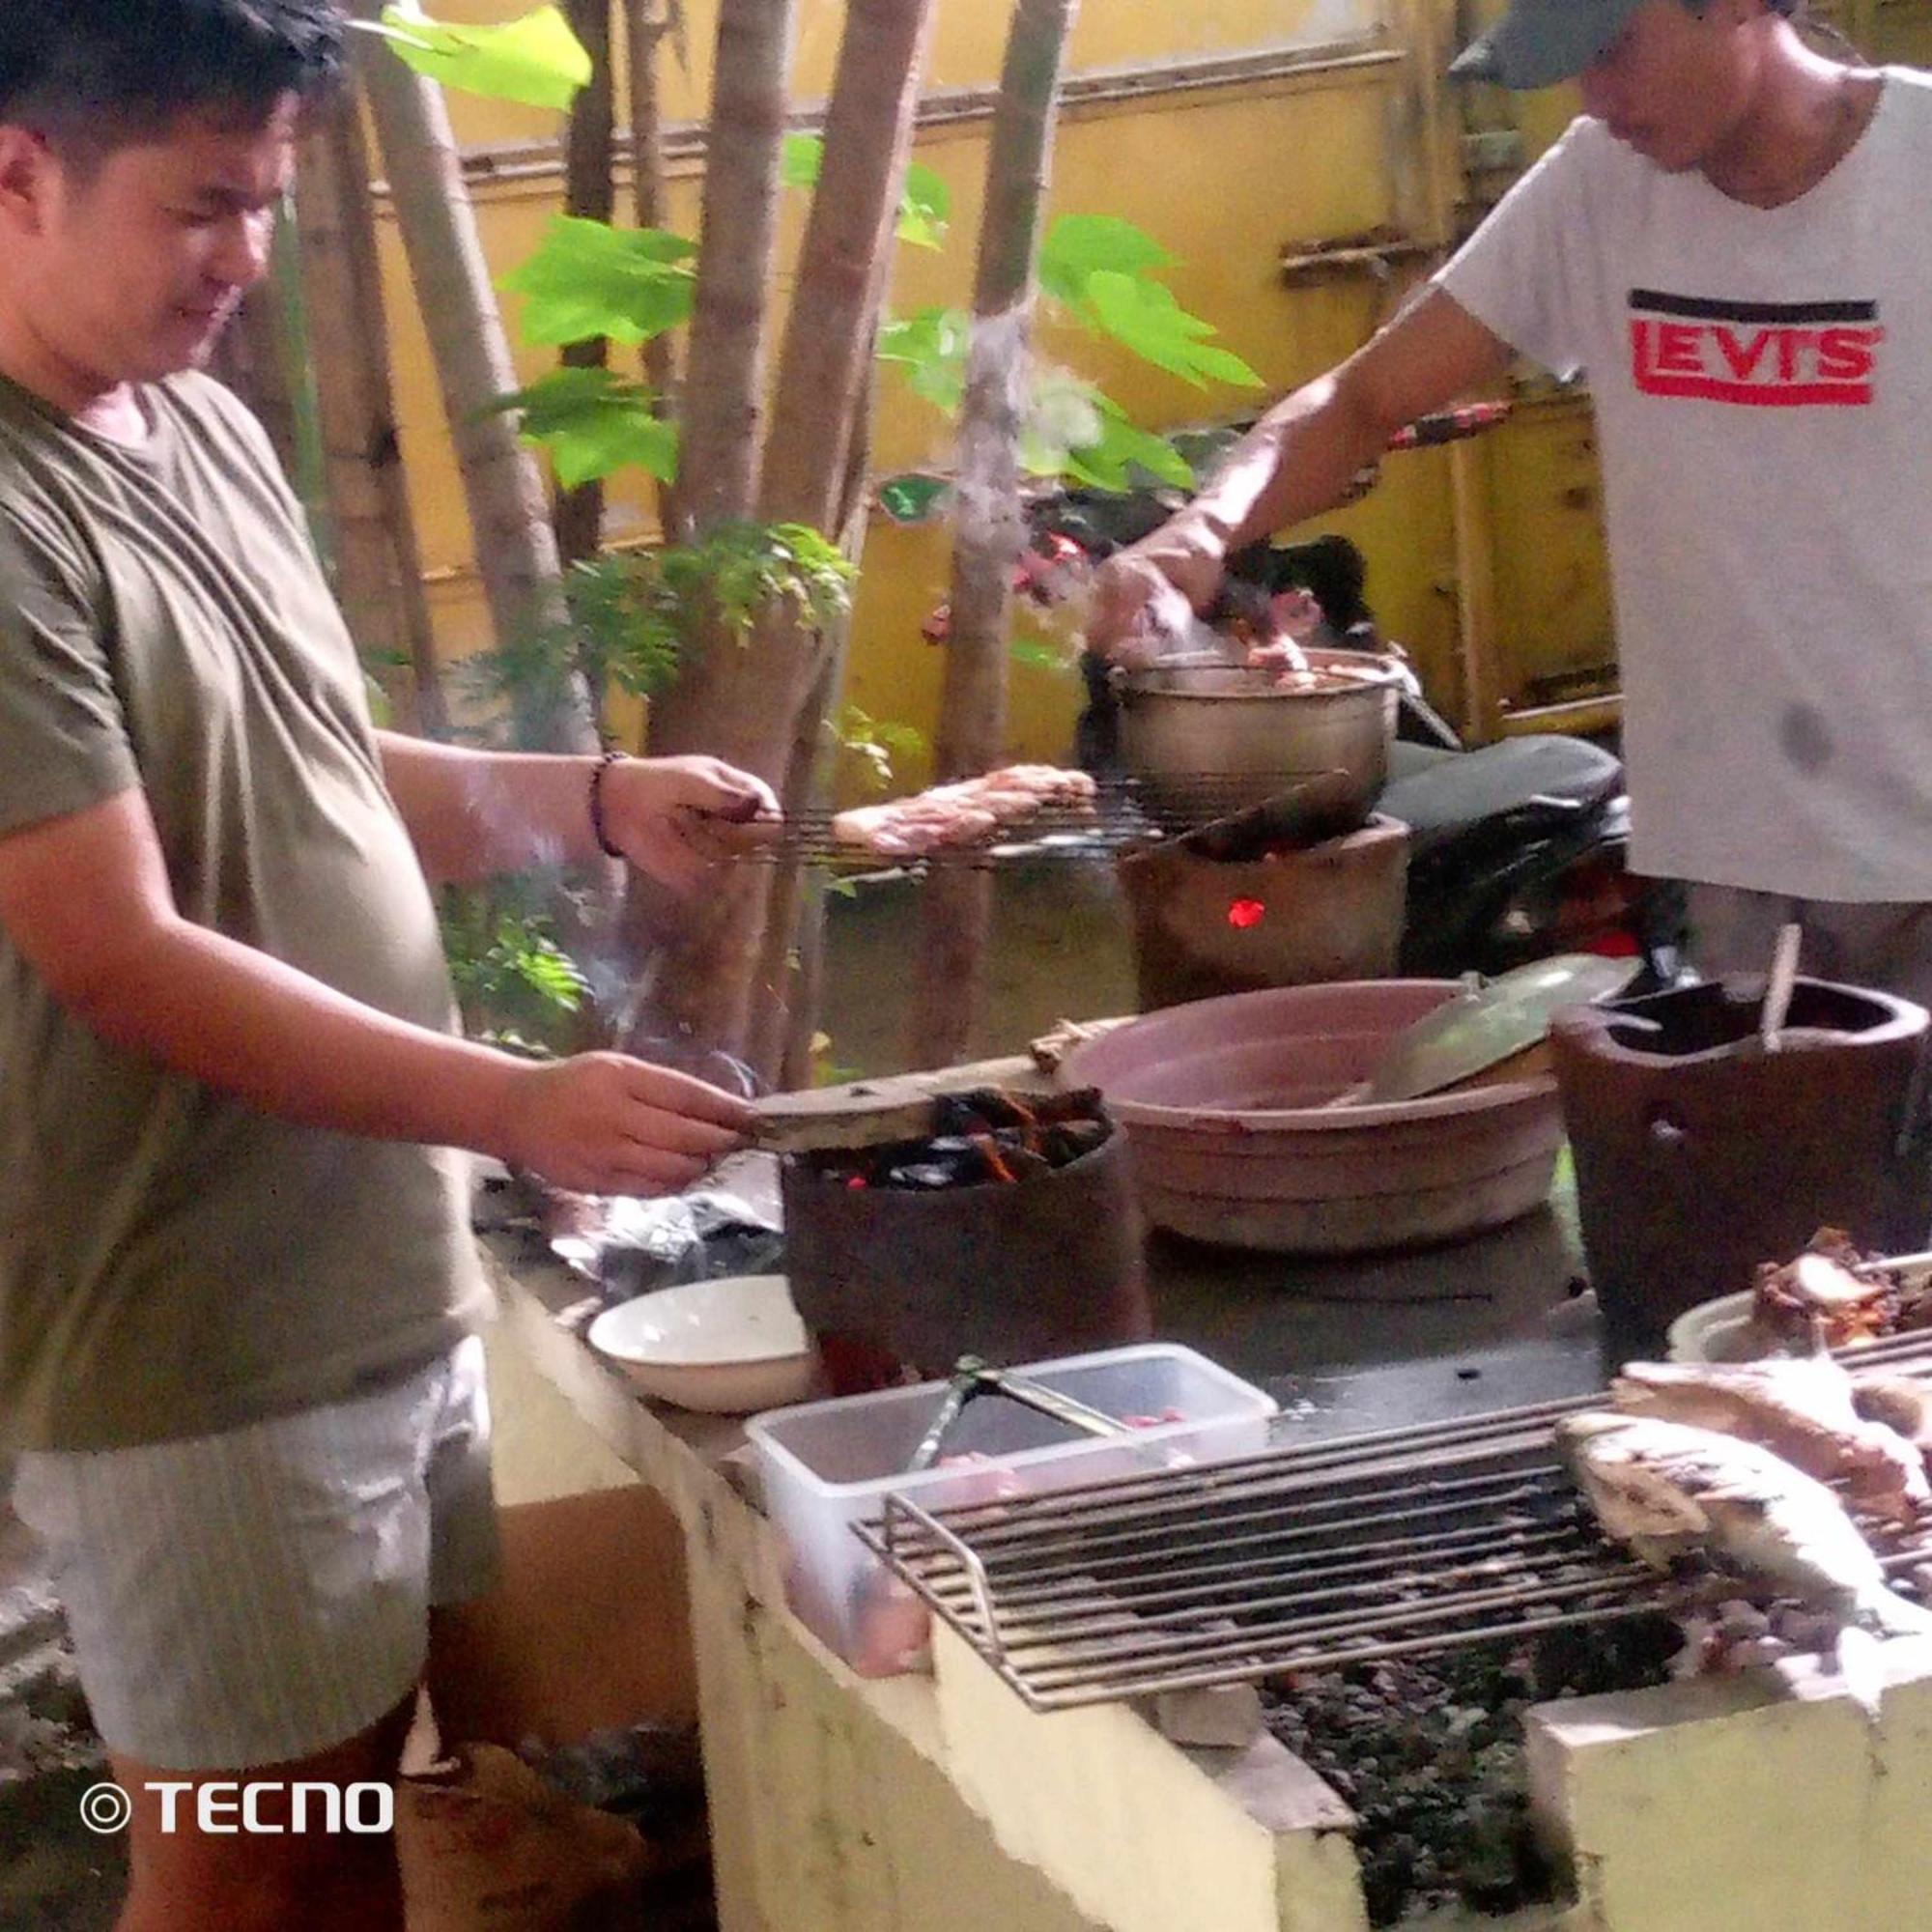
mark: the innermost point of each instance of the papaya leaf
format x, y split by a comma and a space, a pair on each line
535, 60
588, 279
594, 423
1097, 470
1127, 441
1080, 245
1036, 654
800, 159
931, 347
924, 208
1145, 317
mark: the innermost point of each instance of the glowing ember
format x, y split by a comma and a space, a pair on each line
1246, 914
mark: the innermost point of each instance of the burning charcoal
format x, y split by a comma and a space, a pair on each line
1430, 1758
1083, 1104
951, 1160
1806, 1629
1022, 1162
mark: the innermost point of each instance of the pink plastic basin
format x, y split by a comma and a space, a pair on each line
1222, 1101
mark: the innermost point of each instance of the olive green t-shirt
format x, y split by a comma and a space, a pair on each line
174, 1261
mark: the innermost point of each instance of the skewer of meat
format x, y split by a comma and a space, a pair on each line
965, 813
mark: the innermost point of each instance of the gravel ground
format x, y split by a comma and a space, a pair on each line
55, 1875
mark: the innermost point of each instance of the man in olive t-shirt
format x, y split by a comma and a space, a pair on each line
236, 1285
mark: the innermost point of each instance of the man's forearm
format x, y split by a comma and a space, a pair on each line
251, 1026
475, 814
1302, 458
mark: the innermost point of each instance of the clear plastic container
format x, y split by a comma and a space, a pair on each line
831, 1464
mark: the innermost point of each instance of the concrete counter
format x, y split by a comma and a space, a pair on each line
1764, 1803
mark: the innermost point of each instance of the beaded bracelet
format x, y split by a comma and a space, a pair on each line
605, 760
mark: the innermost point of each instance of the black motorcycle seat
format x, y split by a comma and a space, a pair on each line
1462, 789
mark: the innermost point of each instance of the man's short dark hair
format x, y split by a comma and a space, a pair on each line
92, 75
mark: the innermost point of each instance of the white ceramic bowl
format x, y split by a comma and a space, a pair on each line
731, 1346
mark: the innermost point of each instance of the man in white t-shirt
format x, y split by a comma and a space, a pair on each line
1734, 246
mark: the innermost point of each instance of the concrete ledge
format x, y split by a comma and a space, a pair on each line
1762, 1802
1146, 1837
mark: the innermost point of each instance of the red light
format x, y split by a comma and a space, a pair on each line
1244, 915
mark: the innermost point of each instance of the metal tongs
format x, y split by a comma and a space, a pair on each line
973, 1378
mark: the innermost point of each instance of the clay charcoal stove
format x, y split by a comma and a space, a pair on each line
1009, 1233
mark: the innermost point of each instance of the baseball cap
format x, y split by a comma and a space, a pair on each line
1539, 43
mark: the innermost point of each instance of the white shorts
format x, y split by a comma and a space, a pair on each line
262, 1595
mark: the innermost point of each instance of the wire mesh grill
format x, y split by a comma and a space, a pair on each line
1408, 1543
1125, 812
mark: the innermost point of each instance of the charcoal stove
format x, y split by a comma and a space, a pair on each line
1011, 1231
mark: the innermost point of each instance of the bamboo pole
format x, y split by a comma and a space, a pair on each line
514, 545
645, 31
956, 909
589, 193
377, 561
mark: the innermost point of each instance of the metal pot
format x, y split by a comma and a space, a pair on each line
1189, 719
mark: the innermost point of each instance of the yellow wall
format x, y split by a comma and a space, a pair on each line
1330, 138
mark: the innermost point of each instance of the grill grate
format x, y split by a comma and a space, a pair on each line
1125, 814
1408, 1543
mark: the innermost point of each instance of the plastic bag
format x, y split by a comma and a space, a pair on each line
631, 1246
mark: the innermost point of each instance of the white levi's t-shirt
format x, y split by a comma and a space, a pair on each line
1763, 387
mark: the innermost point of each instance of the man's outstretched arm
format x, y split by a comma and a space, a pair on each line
1302, 458
86, 901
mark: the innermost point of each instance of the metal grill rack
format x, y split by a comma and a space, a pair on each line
1408, 1543
1125, 814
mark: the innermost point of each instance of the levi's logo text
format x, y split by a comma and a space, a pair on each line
1762, 355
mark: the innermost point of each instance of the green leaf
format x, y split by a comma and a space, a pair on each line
1223, 365
535, 60
1077, 246
1096, 467
1035, 655
588, 279
1125, 456
1126, 441
913, 500
931, 348
926, 207
1146, 318
595, 423
802, 159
